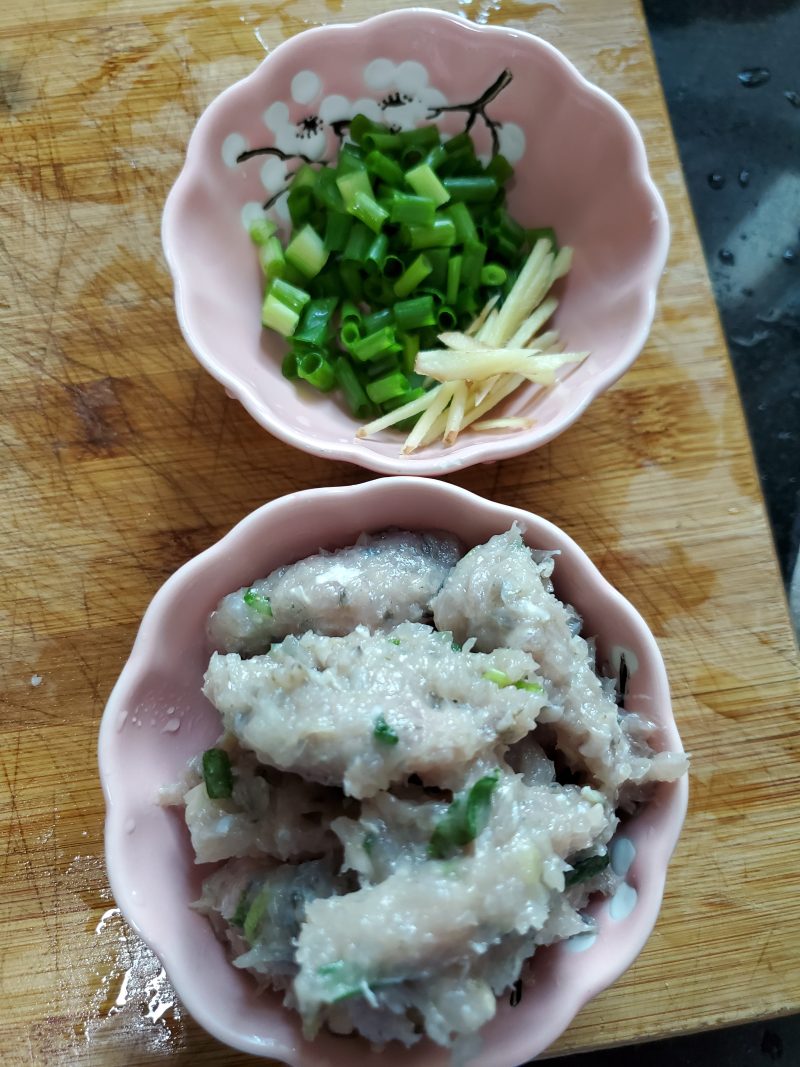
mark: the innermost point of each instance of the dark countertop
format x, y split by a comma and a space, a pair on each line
732, 82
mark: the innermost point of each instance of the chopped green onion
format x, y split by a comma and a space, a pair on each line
349, 333
258, 602
307, 252
369, 211
239, 916
475, 188
466, 817
501, 679
412, 276
358, 242
493, 274
217, 774
315, 324
342, 981
350, 185
262, 229
413, 313
453, 279
313, 368
279, 317
455, 646
424, 182
289, 365
337, 231
376, 253
412, 210
271, 258
583, 870
289, 295
255, 914
384, 167
383, 732
442, 233
373, 344
354, 395
387, 388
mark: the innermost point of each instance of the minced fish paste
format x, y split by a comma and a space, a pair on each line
417, 783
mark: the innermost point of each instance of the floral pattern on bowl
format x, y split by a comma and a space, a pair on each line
580, 166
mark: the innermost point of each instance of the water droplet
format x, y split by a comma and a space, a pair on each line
744, 178
789, 255
752, 77
792, 97
716, 180
36, 680
726, 256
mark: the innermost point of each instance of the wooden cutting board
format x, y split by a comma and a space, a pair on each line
122, 459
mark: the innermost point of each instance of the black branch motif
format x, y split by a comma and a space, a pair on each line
478, 107
285, 156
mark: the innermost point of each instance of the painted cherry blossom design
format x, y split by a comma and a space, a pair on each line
310, 128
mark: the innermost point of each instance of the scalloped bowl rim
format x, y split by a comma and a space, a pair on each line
173, 957
477, 451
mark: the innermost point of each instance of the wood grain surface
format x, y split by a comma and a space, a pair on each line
122, 459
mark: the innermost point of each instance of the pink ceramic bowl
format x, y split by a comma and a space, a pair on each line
149, 856
580, 167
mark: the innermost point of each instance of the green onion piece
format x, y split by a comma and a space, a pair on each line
255, 914
271, 258
453, 279
441, 234
326, 192
404, 398
423, 136
351, 277
446, 318
509, 228
481, 188
410, 350
412, 210
424, 182
379, 367
289, 365
350, 159
258, 602
382, 166
414, 313
412, 276
381, 140
358, 243
337, 231
239, 916
466, 817
458, 143
412, 155
583, 870
378, 290
394, 641
342, 981
393, 266
349, 333
300, 202
217, 774
315, 369
376, 253
437, 155
369, 211
289, 295
315, 324
351, 184
499, 168
501, 679
354, 395
472, 264
455, 646
438, 257
360, 125
349, 311
277, 316
377, 320
383, 732
387, 388
493, 274
464, 223
373, 344
262, 229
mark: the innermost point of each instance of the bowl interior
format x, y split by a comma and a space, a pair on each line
157, 718
579, 167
